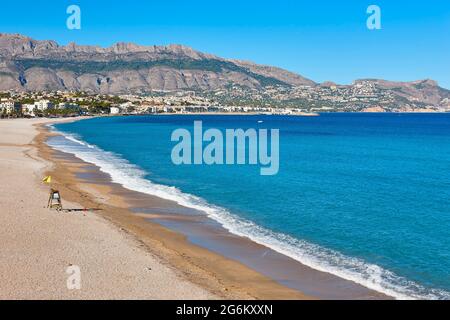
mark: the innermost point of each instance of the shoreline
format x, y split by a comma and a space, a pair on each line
270, 284
222, 277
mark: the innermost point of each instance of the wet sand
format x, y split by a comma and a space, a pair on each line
208, 255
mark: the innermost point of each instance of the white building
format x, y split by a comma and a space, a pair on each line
148, 109
42, 105
127, 106
29, 109
9, 106
114, 110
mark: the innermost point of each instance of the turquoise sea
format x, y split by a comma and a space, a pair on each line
363, 196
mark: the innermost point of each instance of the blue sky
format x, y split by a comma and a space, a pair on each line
322, 40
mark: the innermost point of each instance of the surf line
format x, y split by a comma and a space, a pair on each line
235, 146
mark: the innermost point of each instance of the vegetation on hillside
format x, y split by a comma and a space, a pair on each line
82, 67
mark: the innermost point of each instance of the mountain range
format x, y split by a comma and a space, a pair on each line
32, 65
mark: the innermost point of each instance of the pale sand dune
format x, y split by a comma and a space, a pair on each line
37, 245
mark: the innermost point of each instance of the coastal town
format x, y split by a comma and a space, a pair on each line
48, 104
362, 96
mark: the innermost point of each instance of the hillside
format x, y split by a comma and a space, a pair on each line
27, 64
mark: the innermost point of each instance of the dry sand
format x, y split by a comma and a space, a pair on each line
38, 245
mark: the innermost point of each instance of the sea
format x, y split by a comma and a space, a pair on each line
365, 197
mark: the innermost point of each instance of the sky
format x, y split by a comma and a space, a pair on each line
321, 40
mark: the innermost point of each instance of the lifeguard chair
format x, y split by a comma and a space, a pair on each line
54, 201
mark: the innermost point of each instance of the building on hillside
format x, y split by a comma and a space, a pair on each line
29, 110
43, 105
127, 107
114, 110
147, 109
9, 106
